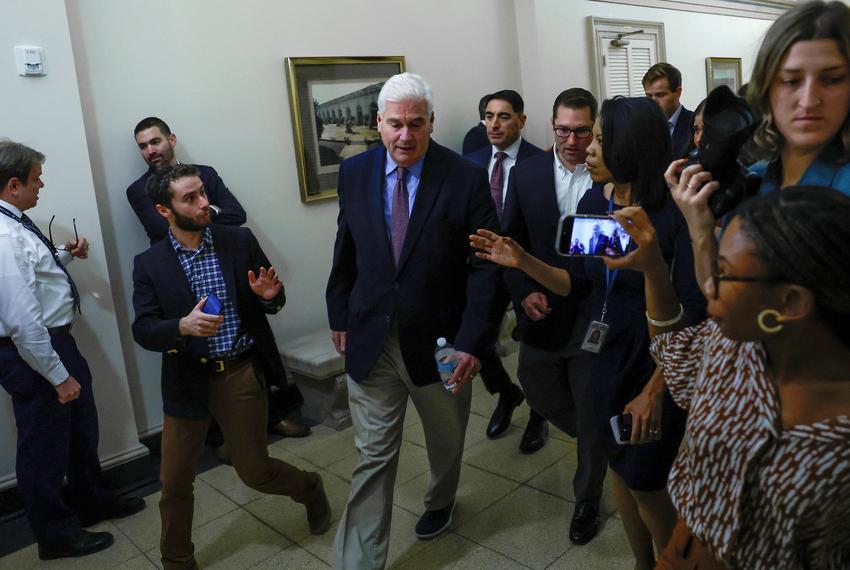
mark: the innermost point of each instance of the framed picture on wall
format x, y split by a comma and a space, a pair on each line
334, 104
723, 71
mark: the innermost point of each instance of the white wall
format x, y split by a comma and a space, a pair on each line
45, 113
555, 49
214, 71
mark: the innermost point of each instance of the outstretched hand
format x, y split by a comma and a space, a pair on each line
647, 256
266, 285
498, 249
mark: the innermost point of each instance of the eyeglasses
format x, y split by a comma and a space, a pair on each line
50, 230
716, 278
580, 133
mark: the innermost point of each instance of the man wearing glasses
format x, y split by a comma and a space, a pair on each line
553, 370
48, 379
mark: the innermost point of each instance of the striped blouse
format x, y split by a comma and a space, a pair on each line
759, 495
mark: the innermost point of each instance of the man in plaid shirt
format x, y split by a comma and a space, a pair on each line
213, 360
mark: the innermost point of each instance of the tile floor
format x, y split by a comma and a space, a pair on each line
513, 510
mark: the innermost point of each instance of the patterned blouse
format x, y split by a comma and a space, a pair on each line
759, 495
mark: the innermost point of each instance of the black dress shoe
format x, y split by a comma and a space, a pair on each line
585, 523
83, 544
121, 507
535, 435
434, 523
500, 421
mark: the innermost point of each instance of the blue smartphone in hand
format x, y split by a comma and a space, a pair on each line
212, 306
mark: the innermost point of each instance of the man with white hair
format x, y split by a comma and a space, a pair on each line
403, 275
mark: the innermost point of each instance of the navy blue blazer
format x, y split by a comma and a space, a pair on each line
162, 296
531, 218
231, 211
439, 289
475, 139
683, 133
482, 156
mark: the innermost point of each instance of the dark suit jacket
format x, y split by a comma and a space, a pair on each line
476, 138
162, 296
439, 288
683, 133
531, 217
156, 226
482, 156
598, 244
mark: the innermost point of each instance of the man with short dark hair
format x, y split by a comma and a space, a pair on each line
476, 137
214, 361
156, 143
663, 84
504, 117
553, 370
48, 379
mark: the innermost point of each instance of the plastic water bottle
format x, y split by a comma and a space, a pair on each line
445, 362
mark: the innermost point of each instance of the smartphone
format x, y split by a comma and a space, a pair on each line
591, 236
212, 306
622, 427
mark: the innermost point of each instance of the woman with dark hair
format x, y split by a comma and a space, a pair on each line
763, 481
696, 127
801, 85
630, 149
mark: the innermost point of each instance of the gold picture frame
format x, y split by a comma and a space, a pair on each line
723, 71
333, 101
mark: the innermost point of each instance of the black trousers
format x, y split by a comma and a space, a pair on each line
496, 379
54, 441
557, 386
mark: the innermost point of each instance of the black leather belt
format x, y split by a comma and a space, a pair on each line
52, 331
222, 365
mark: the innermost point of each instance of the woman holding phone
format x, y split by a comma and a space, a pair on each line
629, 152
801, 85
764, 480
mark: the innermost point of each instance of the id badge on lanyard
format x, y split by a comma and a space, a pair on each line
594, 338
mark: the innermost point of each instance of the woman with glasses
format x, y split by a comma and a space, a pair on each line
801, 85
763, 481
629, 152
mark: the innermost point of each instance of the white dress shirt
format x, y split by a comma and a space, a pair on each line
570, 186
507, 163
34, 295
674, 118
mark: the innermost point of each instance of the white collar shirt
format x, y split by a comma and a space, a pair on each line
507, 163
34, 295
570, 186
671, 122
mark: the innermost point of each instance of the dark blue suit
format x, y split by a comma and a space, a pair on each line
496, 378
475, 139
683, 133
439, 289
553, 371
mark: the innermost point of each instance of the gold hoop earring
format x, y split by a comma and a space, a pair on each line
766, 327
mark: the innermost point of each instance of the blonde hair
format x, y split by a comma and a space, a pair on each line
809, 21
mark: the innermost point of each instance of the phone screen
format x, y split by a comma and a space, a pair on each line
593, 236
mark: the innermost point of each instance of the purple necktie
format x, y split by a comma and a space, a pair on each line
497, 178
400, 212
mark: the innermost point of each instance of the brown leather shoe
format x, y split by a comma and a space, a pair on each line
290, 428
319, 510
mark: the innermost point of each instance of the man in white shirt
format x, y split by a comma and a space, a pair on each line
663, 84
46, 376
553, 370
504, 117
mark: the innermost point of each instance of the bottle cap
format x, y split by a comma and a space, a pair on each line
441, 342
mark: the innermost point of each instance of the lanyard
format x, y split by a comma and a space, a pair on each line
610, 276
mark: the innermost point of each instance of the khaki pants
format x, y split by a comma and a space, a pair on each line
378, 405
238, 404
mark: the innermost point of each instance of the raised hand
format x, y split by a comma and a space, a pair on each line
78, 247
691, 188
498, 249
266, 285
647, 256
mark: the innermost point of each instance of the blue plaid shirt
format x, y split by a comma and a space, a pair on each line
203, 271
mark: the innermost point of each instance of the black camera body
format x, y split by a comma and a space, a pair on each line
728, 122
